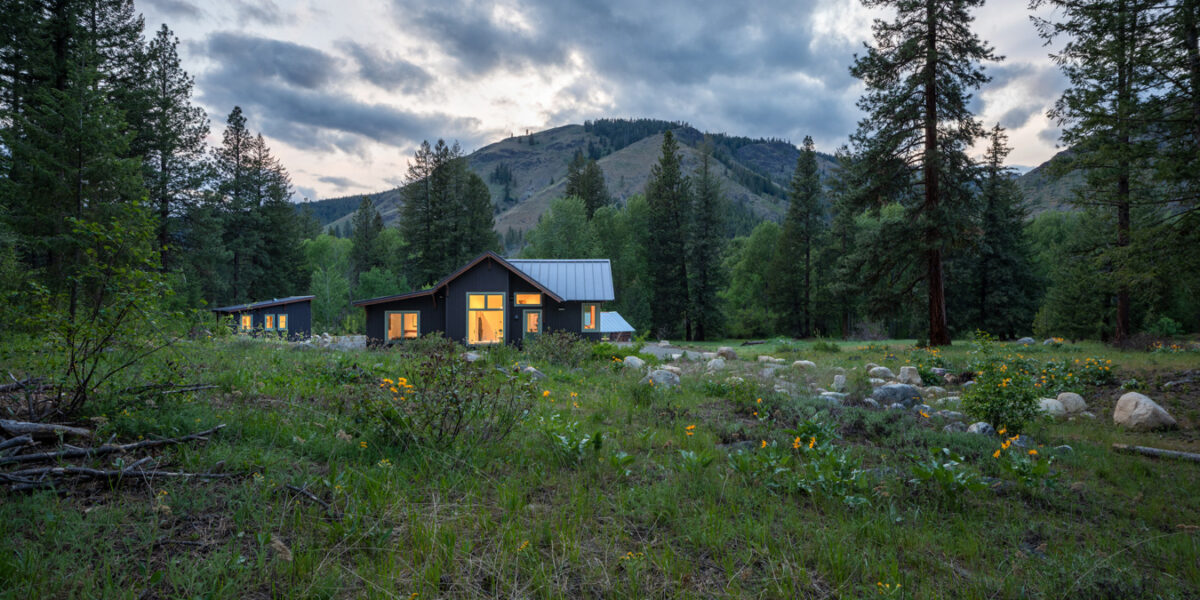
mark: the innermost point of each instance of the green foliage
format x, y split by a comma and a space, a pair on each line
563, 231
1166, 327
366, 253
585, 181
748, 261
705, 245
379, 282
669, 196
1025, 465
949, 473
566, 443
825, 346
561, 348
792, 264
1006, 391
331, 302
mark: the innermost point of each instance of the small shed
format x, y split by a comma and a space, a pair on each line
289, 317
614, 327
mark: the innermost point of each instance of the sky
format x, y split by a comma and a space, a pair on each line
345, 91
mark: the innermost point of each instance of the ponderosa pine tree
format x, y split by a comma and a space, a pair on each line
585, 180
1105, 115
364, 255
235, 195
793, 261
919, 76
704, 248
669, 197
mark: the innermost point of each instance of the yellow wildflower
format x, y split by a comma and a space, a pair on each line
764, 443
545, 393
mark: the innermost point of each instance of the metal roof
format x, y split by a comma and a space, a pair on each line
613, 322
263, 304
572, 279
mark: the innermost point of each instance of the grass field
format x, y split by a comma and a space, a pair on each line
609, 488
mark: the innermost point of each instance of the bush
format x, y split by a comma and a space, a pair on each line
558, 348
1166, 327
606, 352
447, 402
1006, 391
824, 346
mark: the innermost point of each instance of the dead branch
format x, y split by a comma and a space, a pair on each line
18, 442
753, 342
311, 496
1157, 452
107, 449
16, 428
20, 384
189, 388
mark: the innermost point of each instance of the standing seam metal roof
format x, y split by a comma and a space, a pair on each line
575, 279
613, 322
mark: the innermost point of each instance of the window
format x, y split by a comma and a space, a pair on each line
268, 322
485, 318
533, 323
281, 322
403, 325
247, 322
591, 316
529, 300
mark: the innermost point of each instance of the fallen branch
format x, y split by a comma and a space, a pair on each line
107, 449
19, 384
753, 342
20, 441
189, 388
311, 496
16, 428
1157, 452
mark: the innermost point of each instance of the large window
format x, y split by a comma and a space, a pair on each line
591, 316
281, 322
485, 318
268, 322
247, 322
529, 300
403, 325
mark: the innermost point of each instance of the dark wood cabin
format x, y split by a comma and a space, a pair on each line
492, 300
287, 317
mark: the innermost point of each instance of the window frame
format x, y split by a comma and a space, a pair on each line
503, 310
387, 318
242, 327
281, 321
269, 322
583, 313
517, 303
541, 322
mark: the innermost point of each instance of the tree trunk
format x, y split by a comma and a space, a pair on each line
939, 334
805, 328
1191, 43
1124, 100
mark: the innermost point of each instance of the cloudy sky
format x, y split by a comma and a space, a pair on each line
344, 91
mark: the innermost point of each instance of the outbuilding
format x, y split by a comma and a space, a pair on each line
492, 300
289, 317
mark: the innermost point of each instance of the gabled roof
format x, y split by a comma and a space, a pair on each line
572, 279
613, 322
451, 277
263, 304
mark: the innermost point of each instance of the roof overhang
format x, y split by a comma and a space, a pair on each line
264, 304
455, 275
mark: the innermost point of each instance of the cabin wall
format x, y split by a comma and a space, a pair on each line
486, 277
432, 309
299, 316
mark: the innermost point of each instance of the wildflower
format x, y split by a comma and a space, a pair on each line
1033, 452
812, 441
523, 546
796, 444
394, 390
362, 445
759, 401
388, 381
764, 443
383, 462
1003, 430
923, 414
690, 429
545, 393
756, 413
574, 395
996, 454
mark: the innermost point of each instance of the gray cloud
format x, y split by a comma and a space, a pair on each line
1018, 116
1050, 136
304, 193
265, 12
256, 58
178, 9
387, 71
340, 183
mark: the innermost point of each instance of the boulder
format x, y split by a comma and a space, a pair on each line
633, 362
834, 397
949, 401
934, 391
951, 415
1072, 402
897, 406
1050, 342
981, 428
910, 376
839, 383
1139, 413
804, 364
673, 369
881, 373
715, 364
471, 356
875, 382
1026, 341
1051, 407
870, 403
940, 372
839, 370
897, 393
661, 378
768, 372
925, 408
536, 374
708, 355
763, 358
726, 353
870, 366
955, 427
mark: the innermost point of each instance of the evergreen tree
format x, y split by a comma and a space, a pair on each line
794, 256
669, 199
918, 77
235, 190
748, 261
1105, 113
365, 255
705, 245
843, 190
585, 180
563, 231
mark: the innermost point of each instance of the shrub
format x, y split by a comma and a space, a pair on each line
558, 348
606, 352
948, 471
825, 346
566, 443
447, 402
1005, 392
1166, 327
1024, 465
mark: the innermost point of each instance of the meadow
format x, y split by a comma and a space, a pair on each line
589, 484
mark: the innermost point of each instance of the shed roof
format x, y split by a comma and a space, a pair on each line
572, 279
263, 304
613, 322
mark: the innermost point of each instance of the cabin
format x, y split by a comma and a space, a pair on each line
287, 317
614, 327
492, 300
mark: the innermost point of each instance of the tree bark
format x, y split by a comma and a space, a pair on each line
939, 334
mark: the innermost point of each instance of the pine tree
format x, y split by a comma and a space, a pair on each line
1105, 113
368, 224
585, 180
235, 190
705, 245
844, 191
794, 256
668, 195
918, 77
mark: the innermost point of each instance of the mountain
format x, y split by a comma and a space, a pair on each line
1045, 190
525, 173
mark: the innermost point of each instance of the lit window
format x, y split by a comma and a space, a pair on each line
591, 316
533, 322
529, 299
247, 322
281, 322
403, 325
268, 321
485, 318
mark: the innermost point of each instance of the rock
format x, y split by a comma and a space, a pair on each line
1050, 342
1139, 413
839, 383
536, 374
897, 406
981, 428
471, 356
715, 364
934, 391
940, 372
955, 427
897, 393
870, 403
804, 364
1051, 407
674, 356
633, 362
664, 344
877, 382
925, 408
673, 369
768, 372
834, 397
708, 355
1072, 402
949, 401
726, 353
1026, 341
881, 373
910, 376
661, 378
839, 370
1087, 414
951, 415
763, 358
870, 366
968, 384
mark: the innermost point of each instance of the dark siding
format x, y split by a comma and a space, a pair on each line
432, 309
486, 277
299, 316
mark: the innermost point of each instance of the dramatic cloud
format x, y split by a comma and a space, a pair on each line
265, 12
340, 183
179, 9
259, 59
386, 71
